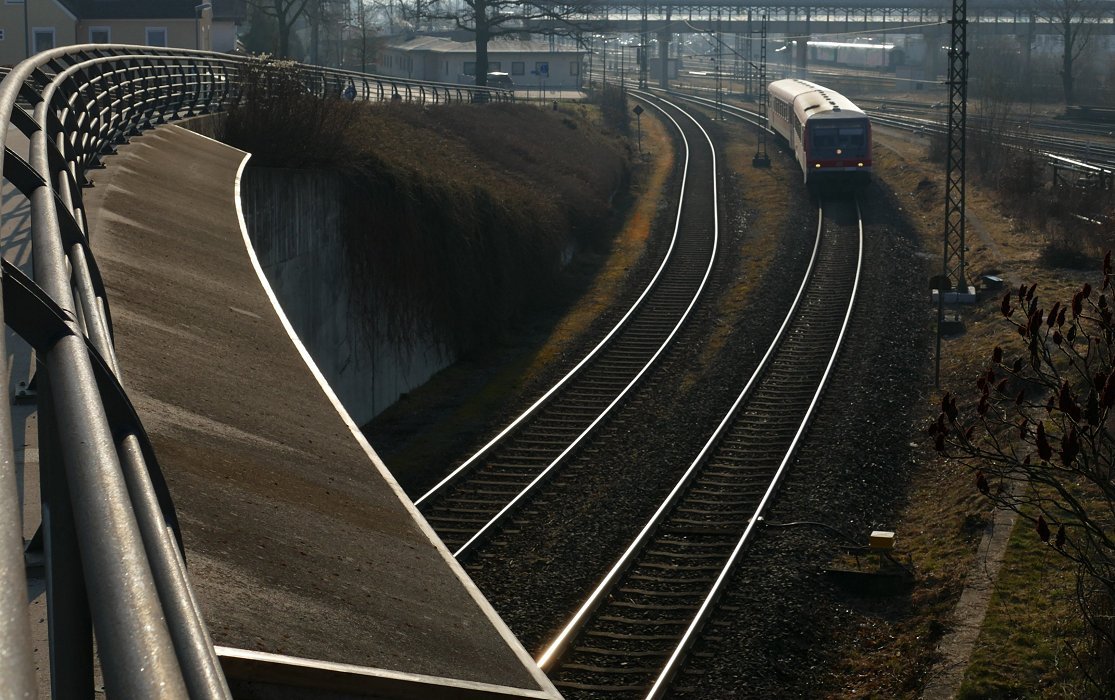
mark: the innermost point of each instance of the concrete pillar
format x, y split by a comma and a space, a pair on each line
937, 40
801, 55
1027, 49
664, 58
802, 58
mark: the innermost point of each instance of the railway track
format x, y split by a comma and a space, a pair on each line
1086, 145
469, 505
632, 635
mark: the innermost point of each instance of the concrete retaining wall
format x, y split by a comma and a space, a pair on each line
294, 220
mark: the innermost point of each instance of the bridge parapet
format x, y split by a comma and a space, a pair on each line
110, 537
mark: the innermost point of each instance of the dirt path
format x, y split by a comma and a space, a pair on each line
967, 618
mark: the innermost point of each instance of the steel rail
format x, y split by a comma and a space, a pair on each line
113, 557
753, 118
556, 650
661, 684
557, 647
547, 471
543, 400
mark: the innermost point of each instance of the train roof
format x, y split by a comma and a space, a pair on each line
813, 99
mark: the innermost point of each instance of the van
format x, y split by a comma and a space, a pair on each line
501, 81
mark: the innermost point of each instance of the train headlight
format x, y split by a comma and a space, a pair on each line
860, 164
839, 151
816, 165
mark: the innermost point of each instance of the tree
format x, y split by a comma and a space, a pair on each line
1038, 433
362, 24
1073, 20
487, 19
284, 13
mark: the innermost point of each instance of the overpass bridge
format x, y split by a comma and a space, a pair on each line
180, 419
664, 26
819, 16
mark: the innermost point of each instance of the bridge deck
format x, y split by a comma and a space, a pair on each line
299, 542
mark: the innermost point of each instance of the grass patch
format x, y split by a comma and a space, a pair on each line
1023, 649
627, 247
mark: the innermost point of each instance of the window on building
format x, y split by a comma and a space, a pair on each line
42, 39
542, 68
518, 68
470, 68
1, 34
574, 68
494, 67
100, 35
156, 36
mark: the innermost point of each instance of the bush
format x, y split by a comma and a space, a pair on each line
612, 101
457, 217
280, 122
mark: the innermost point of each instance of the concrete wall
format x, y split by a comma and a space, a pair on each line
294, 221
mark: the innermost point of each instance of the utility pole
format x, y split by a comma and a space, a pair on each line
762, 158
954, 175
953, 276
643, 59
719, 68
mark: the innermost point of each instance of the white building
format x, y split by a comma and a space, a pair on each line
530, 64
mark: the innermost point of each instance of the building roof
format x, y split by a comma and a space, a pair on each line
151, 9
438, 44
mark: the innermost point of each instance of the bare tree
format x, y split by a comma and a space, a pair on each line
363, 25
285, 13
488, 19
1073, 20
1038, 434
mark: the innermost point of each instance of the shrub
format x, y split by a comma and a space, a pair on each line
457, 217
612, 101
281, 122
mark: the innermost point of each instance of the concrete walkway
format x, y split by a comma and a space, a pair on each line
298, 540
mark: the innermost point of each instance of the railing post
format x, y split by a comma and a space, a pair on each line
68, 618
17, 668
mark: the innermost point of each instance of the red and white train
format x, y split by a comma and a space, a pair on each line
830, 136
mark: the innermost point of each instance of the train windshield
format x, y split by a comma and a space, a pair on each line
832, 139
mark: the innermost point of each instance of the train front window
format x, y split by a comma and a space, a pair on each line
849, 141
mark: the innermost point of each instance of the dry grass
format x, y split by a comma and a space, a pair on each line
460, 400
1020, 651
1023, 649
457, 218
627, 248
766, 203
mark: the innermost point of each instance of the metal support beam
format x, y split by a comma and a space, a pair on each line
762, 159
953, 269
643, 59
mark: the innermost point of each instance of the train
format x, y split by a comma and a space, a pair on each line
829, 135
884, 56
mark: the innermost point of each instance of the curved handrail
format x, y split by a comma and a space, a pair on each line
113, 552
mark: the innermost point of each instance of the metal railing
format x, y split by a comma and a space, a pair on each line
109, 537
